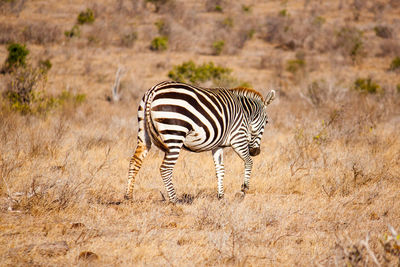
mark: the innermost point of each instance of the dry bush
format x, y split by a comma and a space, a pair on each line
12, 6
389, 48
9, 33
40, 33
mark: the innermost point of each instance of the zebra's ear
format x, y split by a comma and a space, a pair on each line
270, 97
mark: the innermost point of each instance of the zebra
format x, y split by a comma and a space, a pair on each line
175, 116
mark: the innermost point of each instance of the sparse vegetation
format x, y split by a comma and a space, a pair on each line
218, 47
74, 32
322, 192
190, 72
366, 85
159, 43
395, 64
86, 17
349, 39
16, 58
383, 31
129, 39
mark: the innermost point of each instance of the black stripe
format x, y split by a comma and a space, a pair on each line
175, 122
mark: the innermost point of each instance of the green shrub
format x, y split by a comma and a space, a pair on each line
283, 13
218, 46
398, 88
17, 54
246, 8
294, 65
227, 22
67, 96
250, 33
395, 65
319, 21
218, 8
74, 32
366, 85
189, 72
159, 43
160, 24
45, 65
24, 90
86, 16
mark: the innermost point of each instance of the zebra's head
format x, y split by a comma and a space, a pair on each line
258, 123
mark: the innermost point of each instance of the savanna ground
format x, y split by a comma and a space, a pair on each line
324, 189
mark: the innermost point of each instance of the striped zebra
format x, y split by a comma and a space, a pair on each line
174, 115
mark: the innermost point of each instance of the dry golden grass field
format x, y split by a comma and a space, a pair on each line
325, 190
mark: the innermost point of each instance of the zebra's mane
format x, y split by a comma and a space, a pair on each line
248, 92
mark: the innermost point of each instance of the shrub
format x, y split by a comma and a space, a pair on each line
283, 13
398, 88
159, 43
366, 85
24, 90
218, 8
246, 8
189, 72
160, 24
74, 32
318, 21
383, 31
67, 96
86, 16
40, 33
227, 23
350, 40
294, 65
127, 40
17, 54
158, 3
218, 46
395, 65
45, 65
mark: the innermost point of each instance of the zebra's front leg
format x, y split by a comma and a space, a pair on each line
242, 149
167, 168
134, 167
218, 156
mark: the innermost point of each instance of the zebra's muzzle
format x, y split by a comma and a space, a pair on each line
254, 151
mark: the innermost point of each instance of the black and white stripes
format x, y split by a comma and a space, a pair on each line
175, 115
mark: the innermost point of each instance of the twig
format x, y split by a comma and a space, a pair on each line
370, 252
116, 96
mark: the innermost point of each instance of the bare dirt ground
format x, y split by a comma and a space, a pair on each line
324, 189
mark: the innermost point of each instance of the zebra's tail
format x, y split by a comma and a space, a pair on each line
150, 129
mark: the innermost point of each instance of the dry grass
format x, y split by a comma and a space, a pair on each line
324, 188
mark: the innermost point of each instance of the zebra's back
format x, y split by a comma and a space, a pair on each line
197, 116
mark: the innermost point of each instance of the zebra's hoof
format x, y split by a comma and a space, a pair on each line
245, 188
127, 197
220, 196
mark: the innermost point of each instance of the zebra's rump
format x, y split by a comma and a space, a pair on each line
194, 116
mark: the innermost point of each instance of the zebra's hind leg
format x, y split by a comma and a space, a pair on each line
219, 169
134, 166
166, 169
